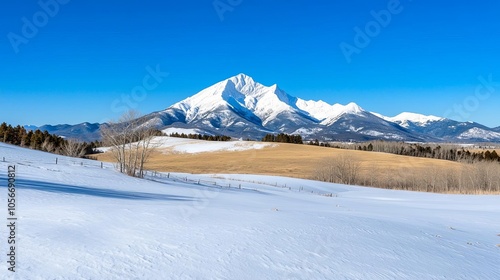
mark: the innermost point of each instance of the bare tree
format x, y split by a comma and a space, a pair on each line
145, 147
130, 142
73, 148
466, 177
342, 169
48, 146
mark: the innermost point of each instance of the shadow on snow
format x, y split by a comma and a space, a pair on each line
80, 190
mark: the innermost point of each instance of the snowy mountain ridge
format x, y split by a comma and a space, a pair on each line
240, 107
405, 118
479, 133
241, 91
243, 108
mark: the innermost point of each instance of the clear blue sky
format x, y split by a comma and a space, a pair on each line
86, 54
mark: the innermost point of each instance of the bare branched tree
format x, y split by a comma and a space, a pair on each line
48, 146
342, 169
73, 148
466, 177
130, 142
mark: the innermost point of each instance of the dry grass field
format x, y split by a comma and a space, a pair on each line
291, 160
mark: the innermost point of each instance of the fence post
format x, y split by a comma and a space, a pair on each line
101, 164
168, 175
56, 160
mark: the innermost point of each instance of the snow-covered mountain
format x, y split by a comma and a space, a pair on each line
408, 120
30, 127
476, 133
83, 131
243, 108
445, 129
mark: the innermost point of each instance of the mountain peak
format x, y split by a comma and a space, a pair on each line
241, 80
353, 108
416, 118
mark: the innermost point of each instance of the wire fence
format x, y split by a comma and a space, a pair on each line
65, 161
236, 184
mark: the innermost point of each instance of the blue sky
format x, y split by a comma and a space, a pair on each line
82, 57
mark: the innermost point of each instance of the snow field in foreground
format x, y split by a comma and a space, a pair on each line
82, 222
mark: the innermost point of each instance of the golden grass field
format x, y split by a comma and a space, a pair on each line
285, 160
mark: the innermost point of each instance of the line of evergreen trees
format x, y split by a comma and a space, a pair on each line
439, 152
201, 136
38, 140
321, 144
283, 138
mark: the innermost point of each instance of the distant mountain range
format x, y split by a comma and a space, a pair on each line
84, 131
242, 108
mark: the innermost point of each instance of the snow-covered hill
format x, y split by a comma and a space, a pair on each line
78, 221
479, 133
191, 146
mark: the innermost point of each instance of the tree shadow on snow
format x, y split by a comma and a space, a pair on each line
89, 191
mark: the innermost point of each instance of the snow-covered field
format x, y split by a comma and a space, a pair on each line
168, 144
191, 146
82, 222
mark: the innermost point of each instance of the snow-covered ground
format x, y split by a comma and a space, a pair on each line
191, 146
78, 221
170, 130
